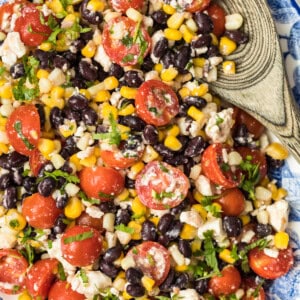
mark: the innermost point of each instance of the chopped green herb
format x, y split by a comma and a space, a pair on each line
28, 253
14, 223
124, 228
104, 195
225, 167
135, 250
219, 120
153, 110
61, 272
83, 276
50, 244
127, 41
210, 253
79, 237
160, 196
128, 58
82, 195
18, 128
59, 173
2, 70
163, 168
150, 259
15, 289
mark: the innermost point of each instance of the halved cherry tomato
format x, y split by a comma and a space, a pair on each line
214, 167
32, 25
252, 290
81, 245
226, 284
270, 267
39, 211
197, 5
23, 129
36, 161
101, 182
156, 103
86, 220
125, 41
232, 202
40, 277
217, 14
161, 186
61, 290
153, 259
13, 268
6, 12
123, 5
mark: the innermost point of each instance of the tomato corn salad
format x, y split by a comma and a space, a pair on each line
121, 175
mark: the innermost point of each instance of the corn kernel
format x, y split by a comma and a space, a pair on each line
68, 128
73, 208
134, 15
172, 143
228, 67
102, 96
127, 110
168, 74
154, 220
281, 193
227, 46
225, 256
201, 210
158, 67
126, 296
89, 49
196, 245
148, 283
46, 147
138, 208
123, 196
24, 296
168, 9
111, 83
245, 219
45, 46
187, 34
15, 220
200, 90
277, 151
6, 91
69, 91
281, 240
184, 92
137, 167
173, 34
55, 6
57, 92
107, 110
47, 100
175, 20
89, 161
188, 232
174, 130
137, 230
149, 154
214, 39
181, 268
3, 148
199, 62
96, 5
85, 93
128, 92
196, 114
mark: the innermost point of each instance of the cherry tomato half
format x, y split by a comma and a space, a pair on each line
23, 129
153, 259
123, 5
32, 25
101, 182
226, 284
161, 186
216, 170
6, 12
197, 5
217, 14
40, 277
81, 245
125, 42
156, 103
270, 267
40, 211
86, 220
252, 290
36, 161
61, 290
13, 268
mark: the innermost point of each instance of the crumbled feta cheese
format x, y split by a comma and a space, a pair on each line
214, 224
271, 252
102, 58
187, 294
278, 215
8, 240
191, 217
247, 236
203, 185
123, 237
94, 212
177, 256
57, 77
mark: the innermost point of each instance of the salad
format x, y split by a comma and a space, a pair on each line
121, 175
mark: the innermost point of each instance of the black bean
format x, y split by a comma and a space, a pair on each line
213, 51
148, 231
160, 47
61, 62
201, 286
164, 151
17, 176
129, 183
135, 290
87, 70
163, 240
263, 230
108, 269
167, 284
182, 281
165, 222
123, 216
89, 116
10, 197
41, 113
59, 225
133, 78
133, 275
111, 254
168, 58
204, 22
237, 36
78, 82
160, 17
185, 248
116, 70
29, 184
78, 102
17, 70
135, 123
61, 201
132, 144
179, 208
4, 161
16, 160
71, 114
46, 186
45, 58
188, 166
274, 163
6, 180
147, 64
177, 160
93, 17
174, 232
150, 135
195, 147
56, 117
108, 207
204, 40
232, 226
182, 58
73, 58
67, 168
69, 147
86, 36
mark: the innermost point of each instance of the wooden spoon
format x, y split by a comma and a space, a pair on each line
260, 85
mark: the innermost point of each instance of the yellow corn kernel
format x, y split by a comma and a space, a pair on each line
181, 268
174, 130
154, 220
96, 5
199, 62
168, 74
281, 193
85, 93
188, 232
121, 274
134, 15
196, 245
68, 128
126, 296
225, 256
149, 154
214, 39
107, 110
15, 220
89, 49
55, 6
281, 240
69, 91
3, 121
200, 90
124, 131
168, 9
228, 67
172, 34
45, 46
197, 196
184, 92
277, 151
128, 92
196, 114
245, 219
158, 67
138, 208
217, 206
140, 220
49, 101
187, 34
89, 161
148, 283
111, 83
137, 230
176, 20
172, 143
24, 296
137, 167
127, 110
46, 147
3, 148
227, 46
201, 210
123, 196
57, 92
6, 91
102, 96
73, 208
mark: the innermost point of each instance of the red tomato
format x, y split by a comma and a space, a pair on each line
125, 42
153, 259
23, 129
13, 268
197, 5
156, 103
216, 170
40, 277
101, 182
123, 5
217, 15
81, 245
226, 284
252, 290
161, 186
86, 220
36, 161
39, 211
269, 267
232, 202
61, 290
30, 26
6, 11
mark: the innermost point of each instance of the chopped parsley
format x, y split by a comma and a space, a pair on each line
124, 228
79, 237
14, 223
106, 196
61, 272
208, 204
28, 253
139, 39
163, 168
83, 276
127, 41
56, 174
219, 120
210, 253
160, 196
128, 58
18, 128
82, 195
